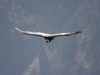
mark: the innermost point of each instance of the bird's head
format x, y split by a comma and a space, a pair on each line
47, 41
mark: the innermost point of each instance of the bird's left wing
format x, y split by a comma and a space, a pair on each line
66, 34
31, 33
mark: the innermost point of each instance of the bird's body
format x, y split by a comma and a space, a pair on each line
48, 37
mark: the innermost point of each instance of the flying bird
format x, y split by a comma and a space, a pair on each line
48, 37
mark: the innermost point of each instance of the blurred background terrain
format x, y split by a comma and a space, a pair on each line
30, 55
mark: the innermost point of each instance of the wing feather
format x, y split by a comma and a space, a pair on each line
47, 35
32, 33
66, 34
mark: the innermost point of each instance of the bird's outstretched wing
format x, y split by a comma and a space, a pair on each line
32, 33
66, 34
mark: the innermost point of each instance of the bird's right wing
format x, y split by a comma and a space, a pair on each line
66, 34
31, 33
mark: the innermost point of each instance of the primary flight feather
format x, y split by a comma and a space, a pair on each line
48, 37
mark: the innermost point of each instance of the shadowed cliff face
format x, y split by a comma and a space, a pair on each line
88, 44
85, 60
30, 55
